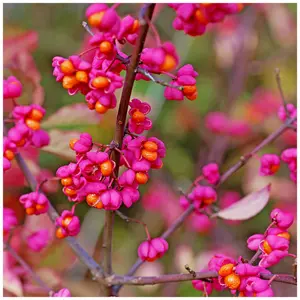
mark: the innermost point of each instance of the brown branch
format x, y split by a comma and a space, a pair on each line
120, 124
151, 280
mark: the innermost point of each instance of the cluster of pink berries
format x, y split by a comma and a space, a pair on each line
193, 18
91, 178
202, 197
98, 79
270, 163
27, 123
240, 276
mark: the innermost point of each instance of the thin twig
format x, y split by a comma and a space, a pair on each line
278, 80
156, 80
151, 280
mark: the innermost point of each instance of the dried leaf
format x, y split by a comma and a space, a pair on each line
248, 207
59, 143
75, 114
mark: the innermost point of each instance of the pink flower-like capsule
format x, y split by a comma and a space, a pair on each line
40, 138
68, 225
31, 115
107, 48
289, 156
152, 150
73, 73
12, 88
217, 122
103, 18
9, 150
203, 196
268, 260
108, 81
270, 164
19, 134
245, 269
130, 195
111, 200
9, 220
218, 260
160, 59
34, 203
83, 144
38, 240
138, 122
93, 192
101, 159
274, 242
211, 173
292, 111
62, 293
129, 30
256, 285
185, 78
153, 249
283, 220
100, 101
254, 241
183, 202
192, 18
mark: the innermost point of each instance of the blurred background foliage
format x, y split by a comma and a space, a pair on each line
271, 43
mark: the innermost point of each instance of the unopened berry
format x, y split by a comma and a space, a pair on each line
106, 47
70, 192
72, 143
82, 76
67, 67
101, 109
151, 156
36, 115
168, 64
106, 168
226, 270
95, 19
66, 181
69, 81
138, 117
232, 281
9, 154
100, 82
32, 124
141, 177
267, 248
150, 146
59, 233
